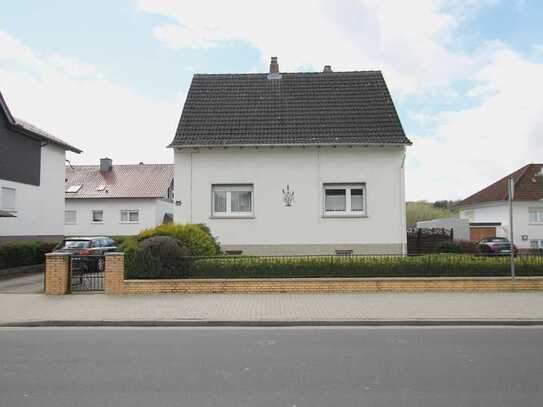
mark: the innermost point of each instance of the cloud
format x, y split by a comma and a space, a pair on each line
75, 102
474, 147
404, 39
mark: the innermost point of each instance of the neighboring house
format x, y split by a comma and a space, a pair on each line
293, 163
31, 180
117, 199
488, 209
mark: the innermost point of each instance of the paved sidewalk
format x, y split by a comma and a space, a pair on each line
279, 309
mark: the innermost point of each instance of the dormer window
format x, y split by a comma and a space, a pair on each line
72, 189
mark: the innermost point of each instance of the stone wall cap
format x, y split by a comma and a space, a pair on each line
114, 254
57, 254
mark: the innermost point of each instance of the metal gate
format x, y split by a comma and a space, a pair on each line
87, 273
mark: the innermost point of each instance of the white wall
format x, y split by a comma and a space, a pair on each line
460, 226
305, 170
499, 212
40, 209
151, 213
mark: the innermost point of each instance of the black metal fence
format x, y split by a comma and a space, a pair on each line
87, 273
141, 265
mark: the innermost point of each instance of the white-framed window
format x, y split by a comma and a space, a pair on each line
8, 199
70, 217
536, 244
232, 200
97, 216
130, 216
344, 200
535, 215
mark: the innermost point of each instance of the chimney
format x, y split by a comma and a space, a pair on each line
327, 68
106, 164
274, 69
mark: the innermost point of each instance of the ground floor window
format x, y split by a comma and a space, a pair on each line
70, 217
130, 216
344, 199
536, 244
536, 215
8, 199
232, 200
97, 216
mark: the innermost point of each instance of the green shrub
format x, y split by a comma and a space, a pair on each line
27, 253
119, 239
197, 238
434, 265
458, 246
173, 255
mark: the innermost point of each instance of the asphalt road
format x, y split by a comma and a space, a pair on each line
271, 367
29, 283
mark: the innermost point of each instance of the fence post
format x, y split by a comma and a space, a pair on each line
114, 274
57, 274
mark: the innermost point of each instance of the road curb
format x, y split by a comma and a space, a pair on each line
278, 323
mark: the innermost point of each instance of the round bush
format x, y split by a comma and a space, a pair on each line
172, 254
197, 238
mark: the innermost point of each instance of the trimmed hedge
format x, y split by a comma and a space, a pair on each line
438, 265
27, 253
196, 237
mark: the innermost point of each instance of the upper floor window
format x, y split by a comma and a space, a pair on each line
232, 200
536, 215
8, 199
344, 199
70, 217
130, 216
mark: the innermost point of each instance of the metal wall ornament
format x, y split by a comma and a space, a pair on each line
288, 196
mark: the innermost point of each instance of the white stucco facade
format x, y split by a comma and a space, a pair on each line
39, 209
302, 228
151, 213
524, 231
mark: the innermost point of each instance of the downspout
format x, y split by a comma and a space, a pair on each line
403, 223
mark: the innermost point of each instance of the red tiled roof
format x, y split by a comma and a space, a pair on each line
528, 187
123, 181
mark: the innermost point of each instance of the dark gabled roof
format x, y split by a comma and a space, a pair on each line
32, 131
327, 108
123, 181
528, 187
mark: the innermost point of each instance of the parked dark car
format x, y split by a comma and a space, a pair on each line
88, 250
496, 246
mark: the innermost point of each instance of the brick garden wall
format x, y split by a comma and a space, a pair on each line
57, 274
115, 284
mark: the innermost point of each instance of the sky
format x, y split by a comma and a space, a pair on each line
111, 76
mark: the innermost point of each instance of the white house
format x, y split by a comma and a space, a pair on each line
488, 209
117, 199
31, 180
293, 163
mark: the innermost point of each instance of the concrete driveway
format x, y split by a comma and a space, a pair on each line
30, 283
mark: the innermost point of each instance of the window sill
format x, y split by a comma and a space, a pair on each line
129, 223
97, 223
70, 224
347, 216
535, 223
232, 217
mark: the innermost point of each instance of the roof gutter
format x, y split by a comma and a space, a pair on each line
172, 145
